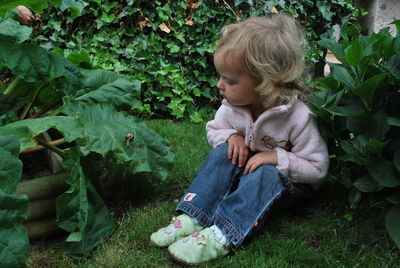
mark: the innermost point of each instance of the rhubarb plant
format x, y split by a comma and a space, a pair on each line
90, 109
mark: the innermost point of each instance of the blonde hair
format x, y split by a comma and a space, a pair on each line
271, 49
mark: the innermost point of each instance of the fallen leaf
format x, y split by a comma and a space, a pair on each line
274, 10
189, 22
164, 28
142, 21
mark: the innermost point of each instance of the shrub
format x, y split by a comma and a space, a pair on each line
358, 108
168, 45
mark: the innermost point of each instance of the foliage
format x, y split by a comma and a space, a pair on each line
89, 109
358, 109
319, 233
168, 45
75, 6
14, 249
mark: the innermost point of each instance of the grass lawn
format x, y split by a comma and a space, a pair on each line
324, 233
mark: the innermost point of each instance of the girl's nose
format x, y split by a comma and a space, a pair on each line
220, 83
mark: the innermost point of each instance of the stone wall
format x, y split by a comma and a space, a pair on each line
380, 14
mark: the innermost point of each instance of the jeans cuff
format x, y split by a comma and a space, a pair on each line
195, 212
233, 235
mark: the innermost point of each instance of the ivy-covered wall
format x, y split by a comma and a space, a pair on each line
168, 45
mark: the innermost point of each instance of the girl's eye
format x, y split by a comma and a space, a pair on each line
229, 82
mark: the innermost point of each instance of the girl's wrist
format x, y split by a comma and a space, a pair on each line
232, 135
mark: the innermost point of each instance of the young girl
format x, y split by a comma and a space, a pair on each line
267, 147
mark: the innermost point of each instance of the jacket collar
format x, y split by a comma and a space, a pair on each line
281, 109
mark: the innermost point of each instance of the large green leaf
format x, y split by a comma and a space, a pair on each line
342, 75
367, 89
396, 160
81, 211
33, 63
36, 5
101, 86
394, 197
14, 243
73, 205
354, 53
75, 6
384, 173
27, 129
105, 132
336, 48
13, 28
346, 110
392, 223
355, 152
366, 184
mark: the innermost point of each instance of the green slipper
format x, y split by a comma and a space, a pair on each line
180, 226
197, 248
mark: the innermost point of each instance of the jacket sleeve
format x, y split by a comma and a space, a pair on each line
308, 160
221, 128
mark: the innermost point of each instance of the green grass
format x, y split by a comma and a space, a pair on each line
324, 233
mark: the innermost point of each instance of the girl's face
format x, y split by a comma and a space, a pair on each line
235, 85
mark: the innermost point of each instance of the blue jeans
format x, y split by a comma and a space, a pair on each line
235, 203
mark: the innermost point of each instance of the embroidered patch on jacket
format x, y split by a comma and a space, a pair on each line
270, 142
189, 197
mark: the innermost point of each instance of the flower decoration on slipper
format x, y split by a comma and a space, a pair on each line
195, 234
201, 240
177, 224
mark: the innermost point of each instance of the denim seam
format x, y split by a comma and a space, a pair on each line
188, 208
230, 228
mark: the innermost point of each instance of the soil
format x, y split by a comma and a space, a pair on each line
34, 165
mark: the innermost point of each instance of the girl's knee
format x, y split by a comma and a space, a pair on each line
221, 151
270, 170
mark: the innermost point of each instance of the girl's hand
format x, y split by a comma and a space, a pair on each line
263, 158
237, 150
25, 15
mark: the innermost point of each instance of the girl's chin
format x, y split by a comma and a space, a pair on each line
234, 103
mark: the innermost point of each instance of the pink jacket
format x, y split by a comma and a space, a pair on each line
290, 130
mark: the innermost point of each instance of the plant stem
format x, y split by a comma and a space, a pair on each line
44, 110
51, 147
12, 85
41, 147
29, 105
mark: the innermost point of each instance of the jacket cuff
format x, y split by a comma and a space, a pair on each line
283, 161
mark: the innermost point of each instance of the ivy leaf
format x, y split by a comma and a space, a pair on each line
75, 6
238, 2
325, 11
392, 223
